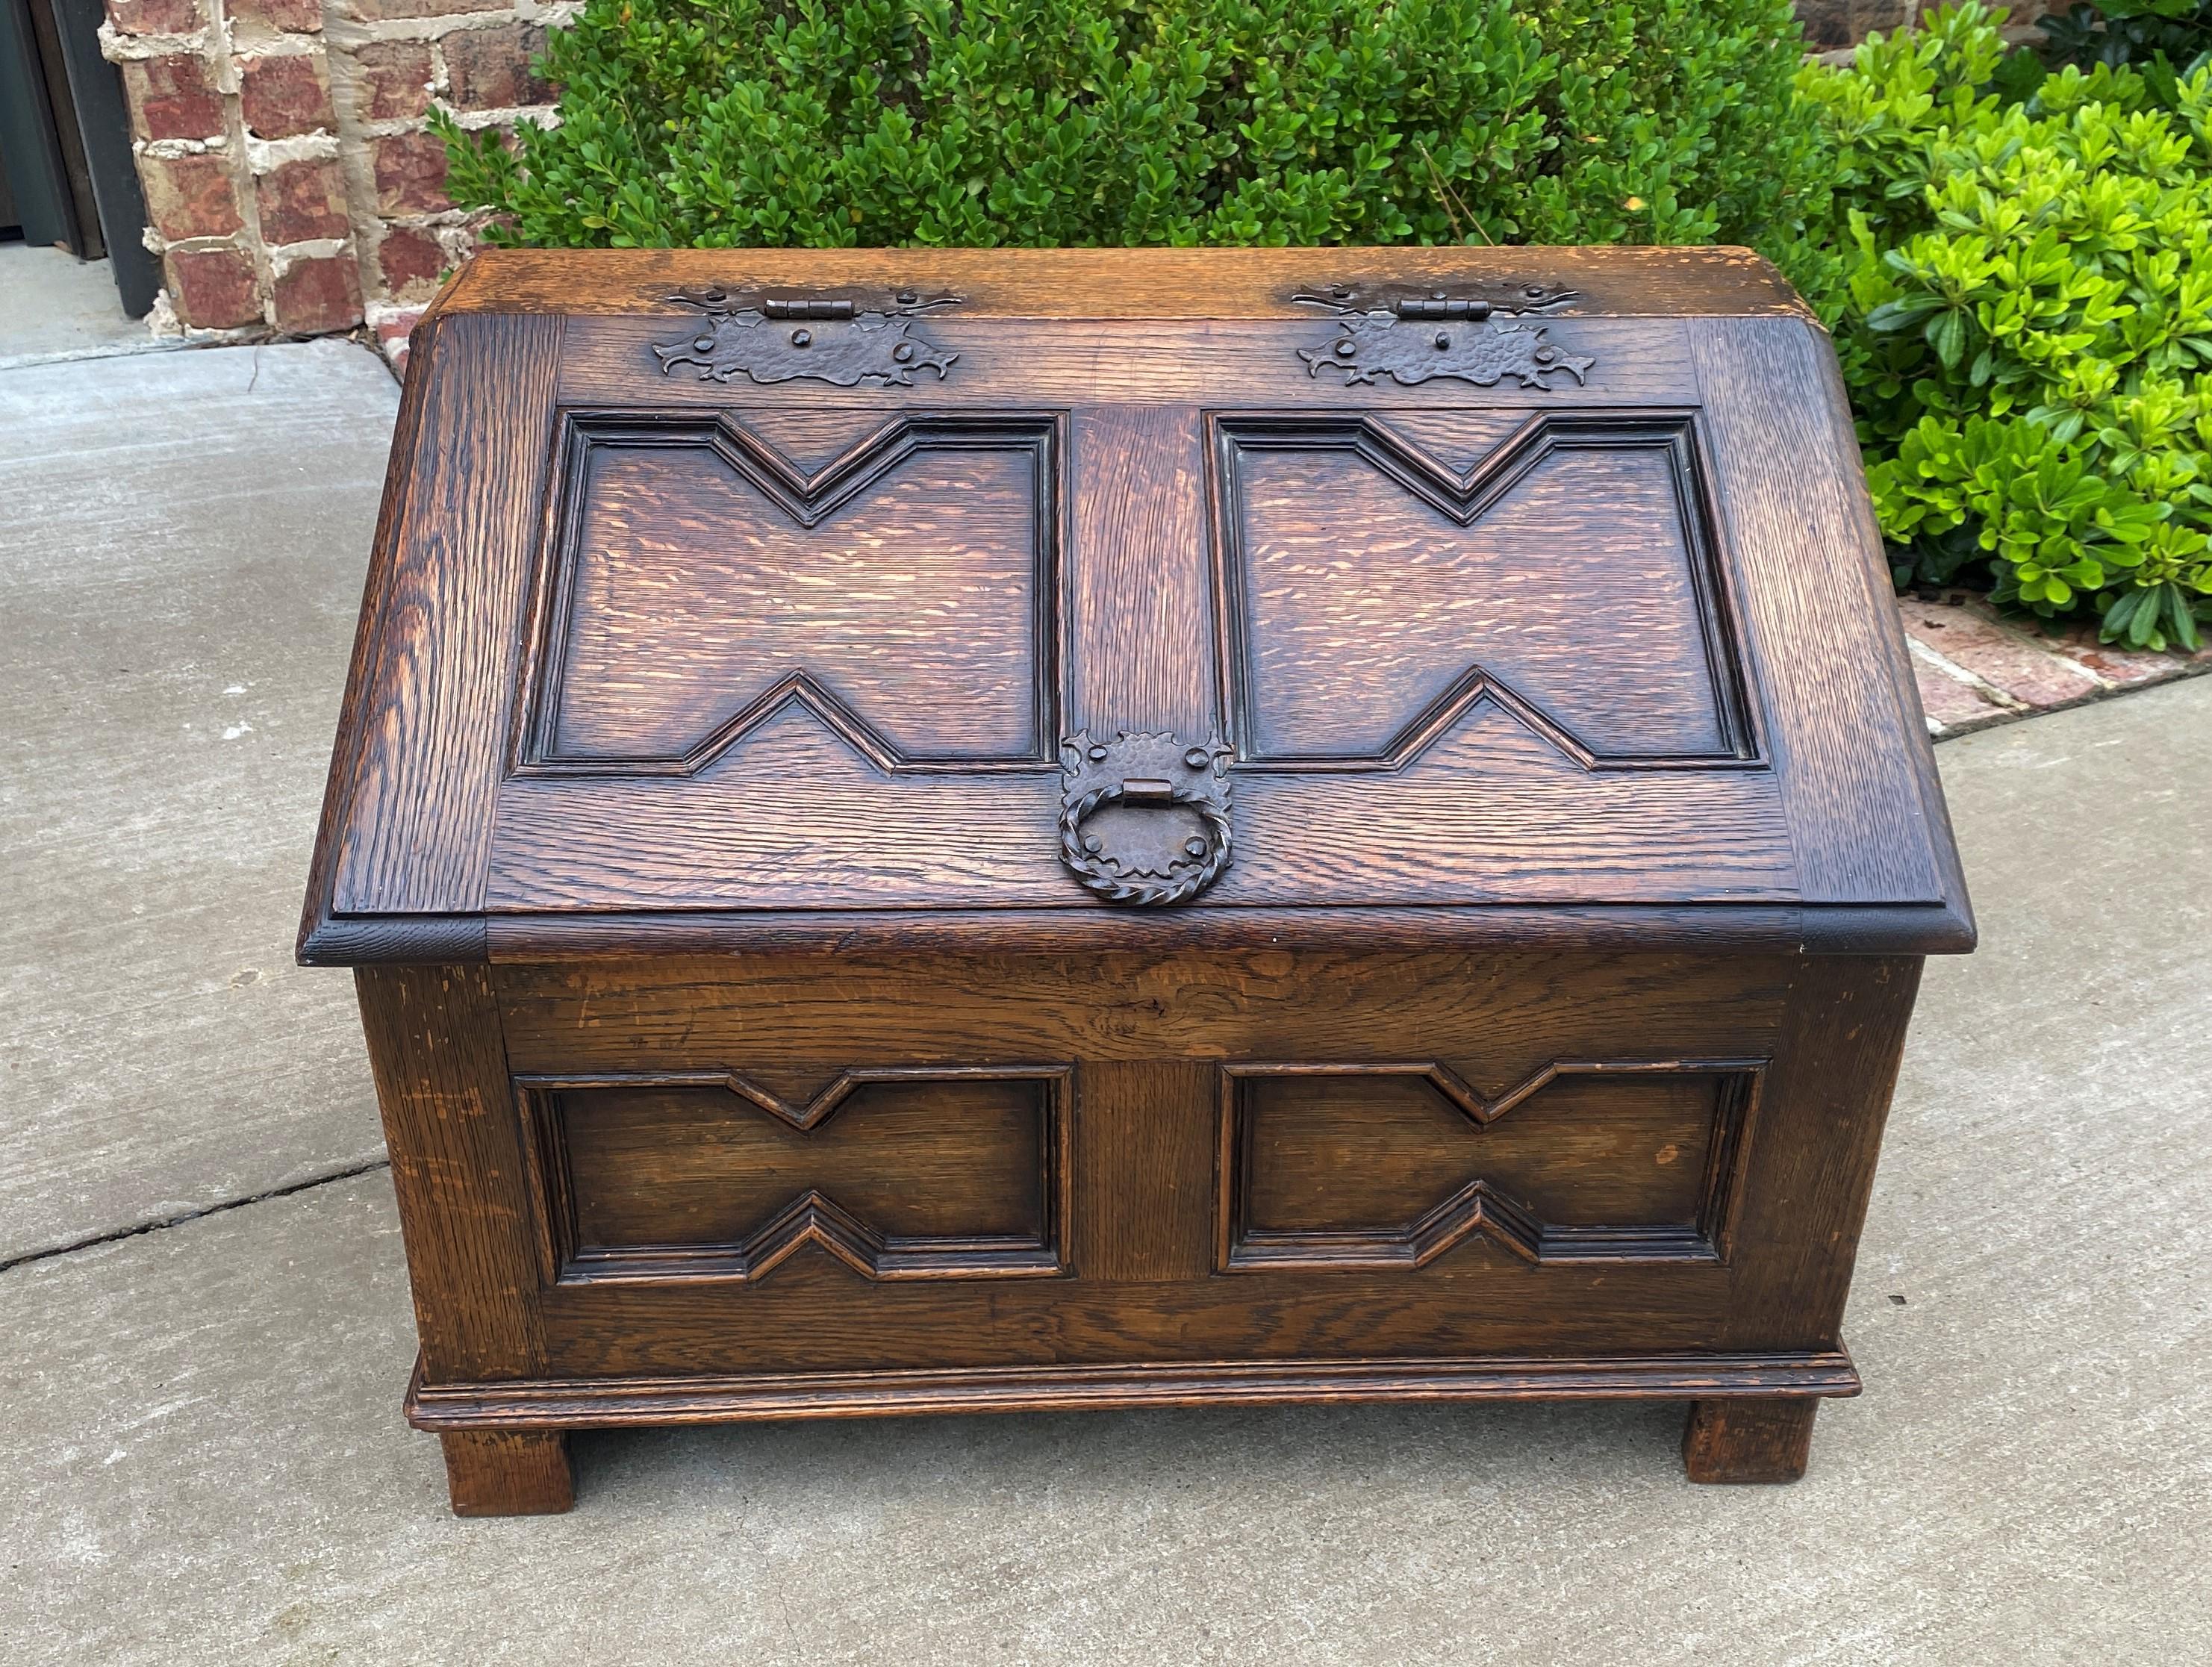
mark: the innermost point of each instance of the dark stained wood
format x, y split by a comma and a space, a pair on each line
705, 1400
1858, 822
508, 1473
1236, 363
1139, 622
1753, 1439
909, 583
728, 728
1120, 284
701, 1175
417, 818
457, 1166
1367, 580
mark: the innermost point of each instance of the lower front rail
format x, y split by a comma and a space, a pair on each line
506, 1444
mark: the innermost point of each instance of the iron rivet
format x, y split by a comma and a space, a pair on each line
1347, 348
1443, 340
902, 352
1545, 356
907, 297
1097, 754
1436, 294
704, 344
801, 337
1194, 848
1093, 844
1198, 758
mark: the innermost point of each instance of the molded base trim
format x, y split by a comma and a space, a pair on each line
594, 1403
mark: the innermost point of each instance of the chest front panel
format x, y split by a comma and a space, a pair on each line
745, 1167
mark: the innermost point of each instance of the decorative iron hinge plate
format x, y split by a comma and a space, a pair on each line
1413, 335
844, 339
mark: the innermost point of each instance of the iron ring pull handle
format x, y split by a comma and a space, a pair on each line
1144, 770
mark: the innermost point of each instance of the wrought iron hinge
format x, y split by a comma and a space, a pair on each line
1383, 330
867, 337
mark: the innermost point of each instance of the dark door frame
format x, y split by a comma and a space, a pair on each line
65, 139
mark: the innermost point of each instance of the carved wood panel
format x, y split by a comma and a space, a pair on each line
898, 1172
1373, 1165
898, 581
1382, 576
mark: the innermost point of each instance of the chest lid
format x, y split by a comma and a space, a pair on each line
1068, 600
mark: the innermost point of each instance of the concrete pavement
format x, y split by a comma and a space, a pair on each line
185, 536
201, 1428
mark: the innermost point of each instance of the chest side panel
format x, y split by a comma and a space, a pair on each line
1821, 624
429, 713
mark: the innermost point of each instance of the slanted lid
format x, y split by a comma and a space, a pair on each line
1063, 599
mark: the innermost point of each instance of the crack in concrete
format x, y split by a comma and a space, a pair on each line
164, 1223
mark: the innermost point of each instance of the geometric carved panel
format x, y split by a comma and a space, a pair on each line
903, 591
899, 1173
1393, 1166
1378, 582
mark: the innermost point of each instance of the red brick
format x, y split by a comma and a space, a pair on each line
213, 289
394, 79
2121, 667
369, 11
301, 200
277, 16
319, 293
411, 173
395, 334
408, 255
172, 97
281, 97
154, 16
1953, 704
2024, 668
190, 196
489, 69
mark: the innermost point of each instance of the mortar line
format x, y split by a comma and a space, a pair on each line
166, 1222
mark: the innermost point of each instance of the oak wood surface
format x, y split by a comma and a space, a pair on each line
781, 666
1109, 283
508, 1473
746, 1047
442, 1083
417, 813
1749, 1440
578, 1404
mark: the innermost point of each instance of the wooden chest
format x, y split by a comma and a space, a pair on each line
946, 831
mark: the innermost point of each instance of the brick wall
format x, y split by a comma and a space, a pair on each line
290, 177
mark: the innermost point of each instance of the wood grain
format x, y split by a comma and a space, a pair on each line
429, 716
609, 363
745, 1050
1363, 600
1756, 1440
581, 1404
1120, 283
1821, 636
457, 1166
1140, 615
916, 590
508, 1473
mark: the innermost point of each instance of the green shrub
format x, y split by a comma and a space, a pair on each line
2024, 318
1087, 122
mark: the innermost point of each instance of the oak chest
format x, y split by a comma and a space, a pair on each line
942, 831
